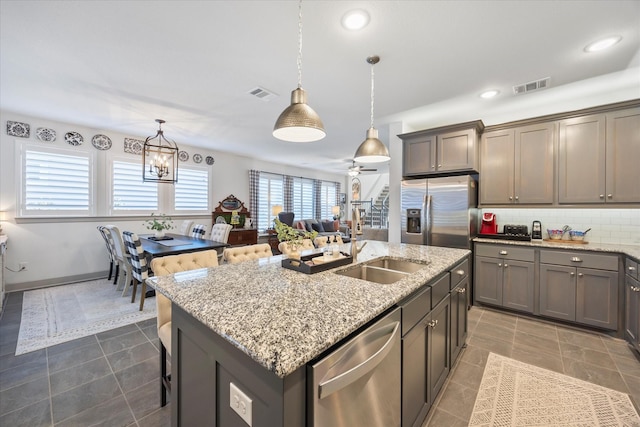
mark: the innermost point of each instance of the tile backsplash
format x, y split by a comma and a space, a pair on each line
607, 225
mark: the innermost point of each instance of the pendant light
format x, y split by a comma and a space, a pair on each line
372, 150
159, 158
298, 122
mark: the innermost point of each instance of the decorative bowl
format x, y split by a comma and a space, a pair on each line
555, 234
577, 235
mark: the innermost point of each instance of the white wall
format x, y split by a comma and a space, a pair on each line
62, 250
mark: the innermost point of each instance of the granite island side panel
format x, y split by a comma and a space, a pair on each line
281, 318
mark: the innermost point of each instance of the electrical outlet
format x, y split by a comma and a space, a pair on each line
240, 403
23, 266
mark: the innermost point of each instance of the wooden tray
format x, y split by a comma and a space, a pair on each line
571, 242
305, 263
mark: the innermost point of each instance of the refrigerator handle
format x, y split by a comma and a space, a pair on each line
427, 219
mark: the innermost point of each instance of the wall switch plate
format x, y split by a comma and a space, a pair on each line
240, 403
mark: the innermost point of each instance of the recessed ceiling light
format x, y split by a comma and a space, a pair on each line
355, 19
489, 93
602, 44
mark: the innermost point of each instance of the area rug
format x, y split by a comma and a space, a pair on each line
63, 313
513, 393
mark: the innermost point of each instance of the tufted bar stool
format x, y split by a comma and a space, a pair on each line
246, 253
161, 267
286, 249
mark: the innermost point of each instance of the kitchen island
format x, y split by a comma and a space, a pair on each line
258, 325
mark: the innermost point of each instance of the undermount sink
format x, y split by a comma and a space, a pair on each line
383, 271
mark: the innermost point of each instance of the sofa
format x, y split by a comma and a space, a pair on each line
324, 228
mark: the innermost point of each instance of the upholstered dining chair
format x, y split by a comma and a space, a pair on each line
161, 267
122, 258
246, 253
185, 228
112, 259
198, 231
286, 248
220, 232
138, 264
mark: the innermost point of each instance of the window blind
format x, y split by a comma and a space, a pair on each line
270, 193
192, 190
303, 200
129, 192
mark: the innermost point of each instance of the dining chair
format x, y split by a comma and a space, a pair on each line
138, 264
246, 253
122, 258
198, 231
286, 248
112, 259
220, 232
169, 265
185, 228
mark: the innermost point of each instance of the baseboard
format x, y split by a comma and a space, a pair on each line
37, 284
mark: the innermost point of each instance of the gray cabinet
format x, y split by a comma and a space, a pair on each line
598, 157
459, 302
504, 276
579, 287
446, 149
632, 304
516, 165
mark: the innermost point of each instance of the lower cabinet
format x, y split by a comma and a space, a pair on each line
583, 295
459, 299
632, 311
425, 363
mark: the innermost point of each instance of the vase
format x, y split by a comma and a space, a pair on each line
159, 234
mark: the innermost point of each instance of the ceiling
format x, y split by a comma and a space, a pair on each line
116, 65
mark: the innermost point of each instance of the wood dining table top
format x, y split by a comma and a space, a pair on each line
178, 245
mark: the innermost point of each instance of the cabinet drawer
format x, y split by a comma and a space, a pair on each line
459, 272
415, 309
631, 268
439, 290
506, 252
580, 259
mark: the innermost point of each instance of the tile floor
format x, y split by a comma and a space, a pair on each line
112, 378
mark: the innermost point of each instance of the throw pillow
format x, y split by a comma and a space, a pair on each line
318, 226
307, 225
328, 226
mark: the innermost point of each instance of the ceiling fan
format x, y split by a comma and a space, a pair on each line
355, 170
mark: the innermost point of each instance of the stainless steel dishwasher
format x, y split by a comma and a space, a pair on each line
359, 383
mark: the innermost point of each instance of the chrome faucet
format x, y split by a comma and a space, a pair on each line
356, 228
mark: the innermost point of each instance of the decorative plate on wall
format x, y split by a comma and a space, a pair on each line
133, 146
183, 156
210, 160
101, 142
46, 134
197, 158
18, 129
73, 138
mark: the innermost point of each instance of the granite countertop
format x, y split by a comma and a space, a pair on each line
632, 251
282, 318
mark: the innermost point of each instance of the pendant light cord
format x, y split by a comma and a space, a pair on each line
372, 95
299, 44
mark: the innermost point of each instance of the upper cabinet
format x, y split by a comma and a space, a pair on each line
598, 158
446, 149
516, 165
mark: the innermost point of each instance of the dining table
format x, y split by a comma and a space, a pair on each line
174, 244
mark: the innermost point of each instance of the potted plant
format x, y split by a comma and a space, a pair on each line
159, 224
292, 236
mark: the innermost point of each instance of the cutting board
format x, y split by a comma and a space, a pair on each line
563, 241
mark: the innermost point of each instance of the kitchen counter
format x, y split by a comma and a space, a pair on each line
632, 251
281, 318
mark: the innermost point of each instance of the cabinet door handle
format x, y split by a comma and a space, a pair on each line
576, 259
602, 196
635, 289
632, 269
439, 166
506, 265
433, 166
517, 198
609, 196
432, 324
462, 290
503, 252
499, 264
510, 197
580, 274
460, 272
572, 274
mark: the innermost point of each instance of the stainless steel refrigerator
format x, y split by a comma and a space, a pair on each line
440, 211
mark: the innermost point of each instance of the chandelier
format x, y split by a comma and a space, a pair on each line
372, 150
298, 122
159, 158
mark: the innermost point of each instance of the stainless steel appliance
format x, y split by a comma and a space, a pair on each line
536, 230
359, 383
440, 211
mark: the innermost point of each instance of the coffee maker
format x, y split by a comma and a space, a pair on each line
489, 224
536, 230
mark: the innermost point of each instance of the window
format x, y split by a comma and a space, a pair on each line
328, 199
271, 193
56, 182
129, 192
303, 200
192, 190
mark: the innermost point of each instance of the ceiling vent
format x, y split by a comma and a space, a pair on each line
262, 93
531, 86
